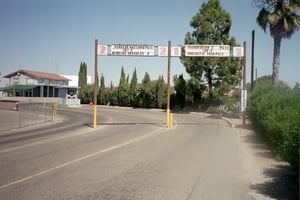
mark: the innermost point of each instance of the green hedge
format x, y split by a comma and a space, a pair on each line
276, 111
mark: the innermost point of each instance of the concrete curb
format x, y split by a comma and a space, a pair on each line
230, 123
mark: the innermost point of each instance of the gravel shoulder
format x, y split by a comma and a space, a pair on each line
269, 177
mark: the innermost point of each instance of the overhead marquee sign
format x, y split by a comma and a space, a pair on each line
126, 50
175, 51
207, 50
102, 50
137, 50
149, 50
238, 51
132, 50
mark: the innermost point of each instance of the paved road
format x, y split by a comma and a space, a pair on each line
131, 155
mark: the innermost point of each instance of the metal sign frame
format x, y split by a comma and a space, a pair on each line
147, 50
137, 50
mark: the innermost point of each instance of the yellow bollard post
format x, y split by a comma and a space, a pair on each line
54, 109
95, 116
53, 112
171, 120
168, 118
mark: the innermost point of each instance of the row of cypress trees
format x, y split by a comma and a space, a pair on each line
147, 94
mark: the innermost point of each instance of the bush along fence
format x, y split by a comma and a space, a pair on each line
275, 110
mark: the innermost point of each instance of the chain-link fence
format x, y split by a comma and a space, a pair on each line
14, 114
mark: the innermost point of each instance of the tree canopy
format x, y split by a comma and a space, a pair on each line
283, 19
212, 26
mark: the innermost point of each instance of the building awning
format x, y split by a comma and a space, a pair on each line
18, 88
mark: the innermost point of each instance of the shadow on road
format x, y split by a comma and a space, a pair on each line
283, 184
246, 126
126, 124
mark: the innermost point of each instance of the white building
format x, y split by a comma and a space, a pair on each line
73, 80
33, 85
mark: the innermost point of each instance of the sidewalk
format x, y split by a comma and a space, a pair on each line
269, 177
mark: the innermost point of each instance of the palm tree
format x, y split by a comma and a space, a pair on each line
283, 19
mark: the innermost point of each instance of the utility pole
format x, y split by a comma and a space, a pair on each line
252, 60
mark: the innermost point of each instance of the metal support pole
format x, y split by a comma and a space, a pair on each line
95, 84
168, 91
244, 81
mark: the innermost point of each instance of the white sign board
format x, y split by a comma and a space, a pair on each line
238, 51
207, 50
163, 51
131, 50
243, 100
102, 50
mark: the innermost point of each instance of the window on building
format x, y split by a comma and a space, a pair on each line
29, 81
54, 82
16, 80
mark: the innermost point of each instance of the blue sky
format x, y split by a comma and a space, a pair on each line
56, 35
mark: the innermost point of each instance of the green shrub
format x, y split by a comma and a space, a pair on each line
212, 109
276, 111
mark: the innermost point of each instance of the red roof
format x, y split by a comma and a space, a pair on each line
36, 74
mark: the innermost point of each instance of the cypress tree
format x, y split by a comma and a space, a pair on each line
102, 99
123, 90
82, 75
133, 89
160, 92
146, 90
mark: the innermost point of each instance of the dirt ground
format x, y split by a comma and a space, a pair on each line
269, 177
